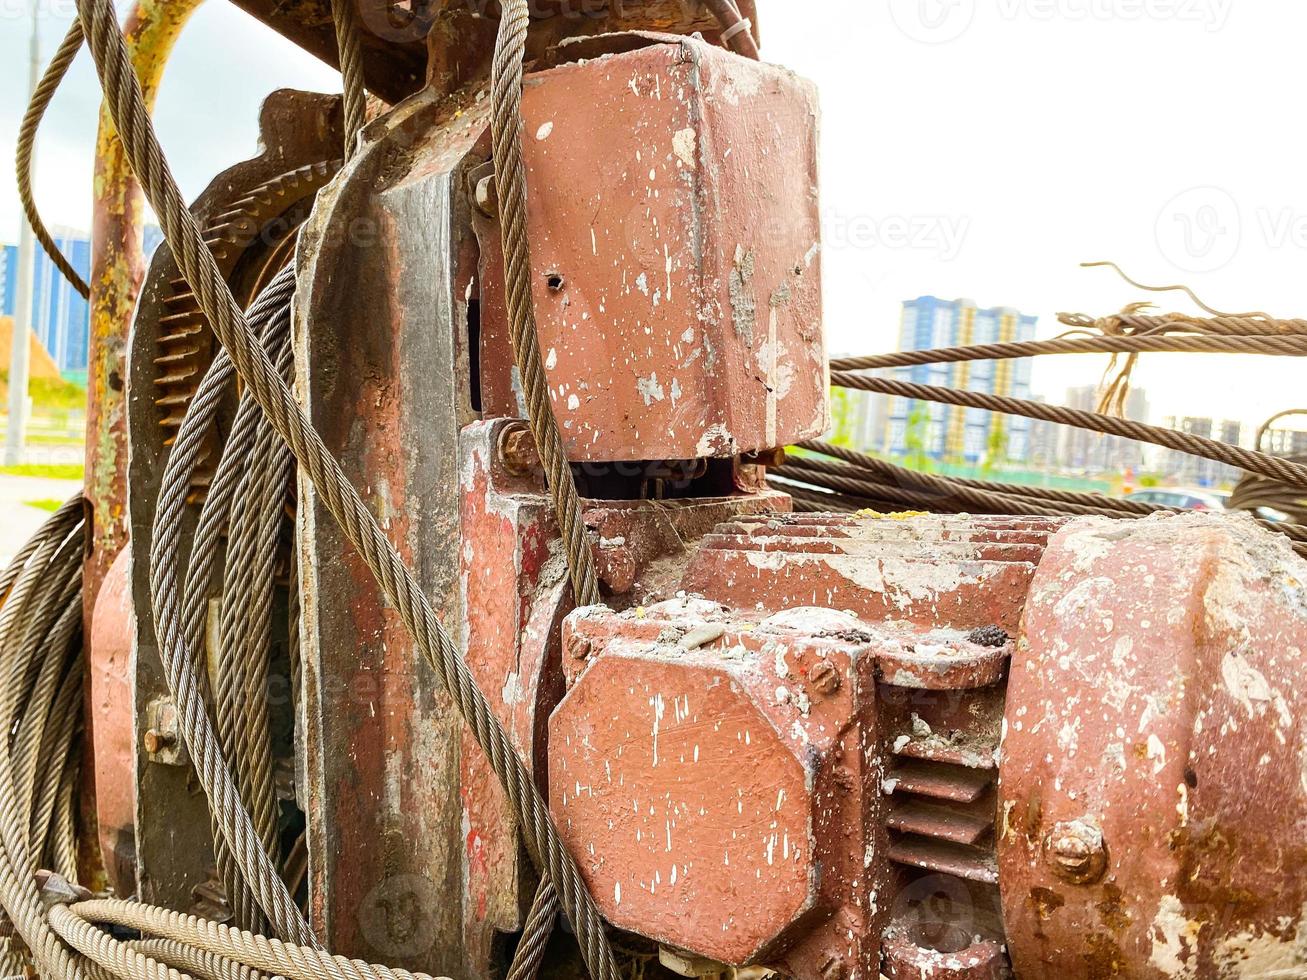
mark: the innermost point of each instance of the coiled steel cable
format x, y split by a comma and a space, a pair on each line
181, 653
126, 105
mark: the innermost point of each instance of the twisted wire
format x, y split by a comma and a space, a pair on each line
341, 499
270, 956
41, 96
859, 481
19, 856
510, 176
345, 19
1255, 462
856, 461
530, 952
1291, 345
1142, 324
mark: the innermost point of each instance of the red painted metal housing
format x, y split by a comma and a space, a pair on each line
816, 760
676, 259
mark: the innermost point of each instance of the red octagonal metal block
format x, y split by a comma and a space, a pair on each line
710, 778
706, 734
676, 259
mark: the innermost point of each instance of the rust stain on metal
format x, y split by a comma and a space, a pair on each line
117, 267
1155, 755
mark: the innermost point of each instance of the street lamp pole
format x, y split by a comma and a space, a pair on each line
20, 350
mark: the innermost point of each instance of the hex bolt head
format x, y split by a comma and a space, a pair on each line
824, 678
517, 450
1076, 852
487, 197
579, 647
156, 740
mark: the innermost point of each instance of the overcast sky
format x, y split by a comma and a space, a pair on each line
977, 148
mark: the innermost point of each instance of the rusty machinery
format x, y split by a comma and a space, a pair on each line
824, 746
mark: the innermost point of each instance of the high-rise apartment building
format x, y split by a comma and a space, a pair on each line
951, 433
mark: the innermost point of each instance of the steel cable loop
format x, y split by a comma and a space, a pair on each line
63, 843
867, 482
199, 963
243, 861
248, 592
855, 461
923, 498
1273, 345
270, 956
126, 105
255, 518
921, 486
34, 731
350, 55
510, 178
106, 951
18, 858
857, 481
1250, 460
41, 96
271, 308
66, 720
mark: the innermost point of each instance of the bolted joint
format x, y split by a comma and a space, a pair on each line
824, 678
769, 458
487, 197
1076, 852
162, 739
157, 740
517, 450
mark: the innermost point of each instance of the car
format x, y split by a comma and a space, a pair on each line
1182, 498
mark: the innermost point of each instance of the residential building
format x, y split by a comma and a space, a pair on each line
1184, 469
1083, 451
952, 433
1286, 442
61, 318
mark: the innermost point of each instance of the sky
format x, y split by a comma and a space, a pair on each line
970, 148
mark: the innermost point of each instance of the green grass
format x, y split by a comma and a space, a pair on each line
50, 505
51, 394
53, 471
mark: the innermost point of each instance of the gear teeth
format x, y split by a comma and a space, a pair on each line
185, 342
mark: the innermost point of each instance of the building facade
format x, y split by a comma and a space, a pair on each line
956, 434
1183, 469
61, 319
1093, 453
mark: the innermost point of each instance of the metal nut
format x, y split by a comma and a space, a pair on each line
517, 450
1076, 852
766, 457
824, 678
487, 197
156, 741
162, 738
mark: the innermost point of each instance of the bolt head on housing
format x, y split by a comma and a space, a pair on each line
1076, 852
